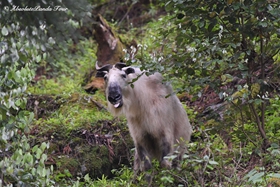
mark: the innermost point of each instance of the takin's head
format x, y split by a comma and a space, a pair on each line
116, 78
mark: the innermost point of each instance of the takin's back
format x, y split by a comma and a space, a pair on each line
154, 107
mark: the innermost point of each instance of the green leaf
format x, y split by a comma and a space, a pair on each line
27, 177
40, 170
193, 28
242, 67
19, 102
87, 178
44, 56
4, 31
35, 148
10, 75
10, 170
263, 24
44, 172
201, 23
28, 158
44, 158
43, 146
33, 171
31, 117
212, 25
190, 71
212, 162
38, 153
38, 58
275, 12
275, 175
257, 177
247, 2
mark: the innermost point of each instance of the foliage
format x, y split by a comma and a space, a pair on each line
25, 44
20, 163
49, 26
272, 119
218, 42
26, 166
53, 18
261, 176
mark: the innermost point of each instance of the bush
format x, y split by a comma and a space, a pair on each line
21, 163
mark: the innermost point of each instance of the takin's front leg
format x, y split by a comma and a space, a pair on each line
142, 161
165, 151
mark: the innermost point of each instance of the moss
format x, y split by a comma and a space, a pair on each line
79, 111
53, 148
67, 163
60, 86
95, 159
44, 105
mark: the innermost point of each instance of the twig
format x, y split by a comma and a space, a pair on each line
260, 126
128, 10
100, 106
181, 178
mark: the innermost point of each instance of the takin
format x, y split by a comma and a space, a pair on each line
157, 121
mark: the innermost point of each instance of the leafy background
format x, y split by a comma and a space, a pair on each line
222, 58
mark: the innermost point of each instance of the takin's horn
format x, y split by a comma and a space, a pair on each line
120, 65
106, 67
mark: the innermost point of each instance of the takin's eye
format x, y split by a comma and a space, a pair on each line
105, 77
123, 76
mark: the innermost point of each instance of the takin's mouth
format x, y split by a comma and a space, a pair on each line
117, 104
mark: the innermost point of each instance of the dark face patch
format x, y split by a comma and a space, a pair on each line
115, 95
115, 79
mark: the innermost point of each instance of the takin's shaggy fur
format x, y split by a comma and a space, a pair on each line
156, 119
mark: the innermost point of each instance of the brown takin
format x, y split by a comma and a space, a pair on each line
157, 121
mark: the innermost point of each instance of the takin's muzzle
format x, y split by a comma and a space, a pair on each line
115, 95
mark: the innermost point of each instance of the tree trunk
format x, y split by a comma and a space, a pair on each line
110, 49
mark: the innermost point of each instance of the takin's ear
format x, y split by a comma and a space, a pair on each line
101, 73
129, 70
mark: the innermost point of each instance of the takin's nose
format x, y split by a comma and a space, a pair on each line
113, 98
114, 93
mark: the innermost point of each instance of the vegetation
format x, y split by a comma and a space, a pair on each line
222, 57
